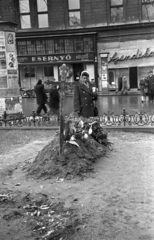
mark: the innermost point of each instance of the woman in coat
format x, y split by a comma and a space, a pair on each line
84, 97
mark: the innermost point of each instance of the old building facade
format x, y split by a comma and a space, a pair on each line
106, 37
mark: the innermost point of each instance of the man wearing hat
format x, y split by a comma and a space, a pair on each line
150, 79
41, 97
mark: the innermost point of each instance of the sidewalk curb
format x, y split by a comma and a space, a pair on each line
108, 128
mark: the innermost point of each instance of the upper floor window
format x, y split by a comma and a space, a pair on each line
148, 10
24, 9
116, 8
42, 12
55, 46
74, 12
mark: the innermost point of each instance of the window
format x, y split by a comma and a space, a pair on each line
48, 71
148, 9
88, 44
24, 9
29, 72
78, 45
74, 12
22, 48
68, 45
31, 49
55, 46
42, 12
49, 44
40, 47
59, 46
116, 11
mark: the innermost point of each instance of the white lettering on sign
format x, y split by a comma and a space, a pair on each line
80, 56
33, 59
51, 58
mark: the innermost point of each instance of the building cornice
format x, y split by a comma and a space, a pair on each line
83, 30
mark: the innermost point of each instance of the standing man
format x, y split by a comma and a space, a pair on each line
119, 84
124, 89
150, 79
54, 100
41, 97
84, 97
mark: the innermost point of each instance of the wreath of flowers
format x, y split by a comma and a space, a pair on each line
82, 128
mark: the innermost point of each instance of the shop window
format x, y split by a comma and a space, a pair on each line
116, 8
49, 45
29, 72
78, 45
48, 71
42, 13
22, 48
31, 48
24, 10
40, 47
68, 45
74, 12
59, 45
148, 10
88, 44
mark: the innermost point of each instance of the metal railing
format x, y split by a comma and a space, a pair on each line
140, 119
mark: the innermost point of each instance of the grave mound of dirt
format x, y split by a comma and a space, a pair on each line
77, 160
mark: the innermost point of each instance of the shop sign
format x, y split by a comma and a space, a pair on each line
2, 106
12, 71
57, 58
3, 79
138, 55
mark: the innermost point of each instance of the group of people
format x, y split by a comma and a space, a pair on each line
42, 98
146, 86
85, 96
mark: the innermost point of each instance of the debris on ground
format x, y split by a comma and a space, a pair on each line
44, 217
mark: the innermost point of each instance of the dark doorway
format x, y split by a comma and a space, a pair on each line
78, 68
133, 77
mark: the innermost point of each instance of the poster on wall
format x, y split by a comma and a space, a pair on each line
2, 106
2, 60
10, 41
2, 41
3, 79
13, 105
13, 80
11, 60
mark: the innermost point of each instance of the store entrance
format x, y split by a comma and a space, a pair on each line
133, 77
77, 69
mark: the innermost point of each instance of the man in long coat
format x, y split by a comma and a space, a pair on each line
150, 79
54, 100
84, 97
41, 97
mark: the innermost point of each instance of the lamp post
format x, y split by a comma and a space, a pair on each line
63, 75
